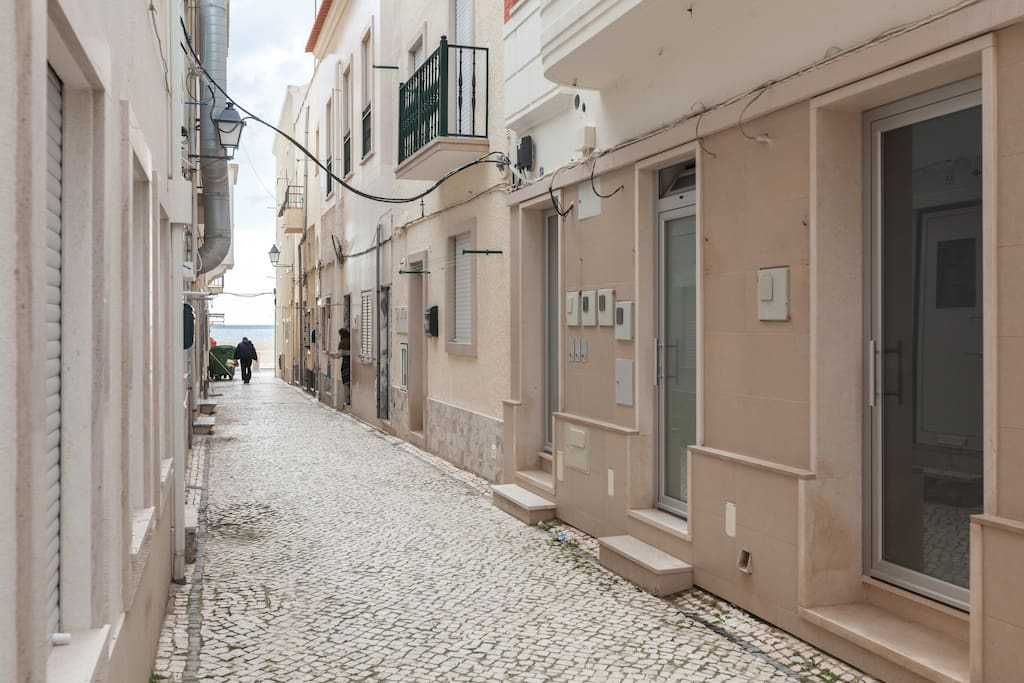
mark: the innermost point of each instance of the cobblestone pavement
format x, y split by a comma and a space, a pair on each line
332, 552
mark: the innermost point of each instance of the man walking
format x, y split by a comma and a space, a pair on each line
245, 353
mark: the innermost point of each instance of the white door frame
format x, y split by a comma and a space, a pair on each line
933, 104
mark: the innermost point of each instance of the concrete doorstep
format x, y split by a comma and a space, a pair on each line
524, 505
655, 571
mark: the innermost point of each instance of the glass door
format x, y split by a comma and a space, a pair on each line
926, 339
552, 318
677, 335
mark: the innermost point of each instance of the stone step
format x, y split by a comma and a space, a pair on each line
930, 654
207, 406
538, 479
203, 424
524, 505
654, 570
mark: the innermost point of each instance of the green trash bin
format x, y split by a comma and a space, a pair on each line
222, 362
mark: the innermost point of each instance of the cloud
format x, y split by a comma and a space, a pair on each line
266, 54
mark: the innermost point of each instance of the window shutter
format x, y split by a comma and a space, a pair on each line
366, 325
51, 371
463, 291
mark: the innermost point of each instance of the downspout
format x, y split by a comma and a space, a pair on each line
213, 45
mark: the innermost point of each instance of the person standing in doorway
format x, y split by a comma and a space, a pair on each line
245, 353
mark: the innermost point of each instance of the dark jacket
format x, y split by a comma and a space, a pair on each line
245, 351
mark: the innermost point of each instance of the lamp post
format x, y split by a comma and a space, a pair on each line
275, 255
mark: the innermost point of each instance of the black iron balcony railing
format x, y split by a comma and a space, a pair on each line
448, 95
293, 199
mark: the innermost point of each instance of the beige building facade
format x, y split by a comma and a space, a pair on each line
419, 288
763, 324
100, 216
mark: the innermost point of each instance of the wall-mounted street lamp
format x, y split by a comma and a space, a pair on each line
229, 133
229, 129
275, 257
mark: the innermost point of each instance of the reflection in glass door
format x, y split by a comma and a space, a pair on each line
552, 319
926, 340
677, 336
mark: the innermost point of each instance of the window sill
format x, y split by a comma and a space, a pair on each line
367, 157
79, 660
467, 349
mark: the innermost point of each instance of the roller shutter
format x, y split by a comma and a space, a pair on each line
52, 370
463, 291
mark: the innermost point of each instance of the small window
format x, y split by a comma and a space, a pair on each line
676, 180
329, 145
403, 364
346, 122
416, 55
367, 115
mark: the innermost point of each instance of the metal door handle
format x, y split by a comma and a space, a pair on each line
872, 389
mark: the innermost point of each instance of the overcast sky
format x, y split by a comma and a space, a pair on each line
266, 54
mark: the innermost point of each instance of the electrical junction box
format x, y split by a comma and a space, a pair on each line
624, 320
606, 307
624, 381
588, 308
430, 325
773, 294
588, 204
587, 140
402, 320
572, 308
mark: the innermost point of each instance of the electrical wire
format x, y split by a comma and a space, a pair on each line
593, 168
252, 167
244, 295
554, 201
829, 58
160, 45
497, 158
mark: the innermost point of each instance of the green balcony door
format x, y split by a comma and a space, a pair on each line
677, 338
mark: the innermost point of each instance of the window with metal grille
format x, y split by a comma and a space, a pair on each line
462, 291
366, 324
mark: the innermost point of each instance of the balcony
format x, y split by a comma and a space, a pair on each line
291, 210
443, 112
584, 42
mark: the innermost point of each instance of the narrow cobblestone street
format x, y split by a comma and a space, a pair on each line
331, 552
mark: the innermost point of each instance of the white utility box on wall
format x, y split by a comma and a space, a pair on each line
572, 309
624, 381
606, 307
624, 321
773, 294
588, 308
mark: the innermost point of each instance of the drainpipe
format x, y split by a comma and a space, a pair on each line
213, 43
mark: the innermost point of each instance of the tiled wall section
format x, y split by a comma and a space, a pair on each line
469, 440
755, 215
766, 526
399, 407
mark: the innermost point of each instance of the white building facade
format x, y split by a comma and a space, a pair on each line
418, 288
99, 206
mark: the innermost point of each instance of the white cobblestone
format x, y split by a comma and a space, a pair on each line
335, 553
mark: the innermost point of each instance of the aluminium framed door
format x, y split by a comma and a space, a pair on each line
925, 398
676, 363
